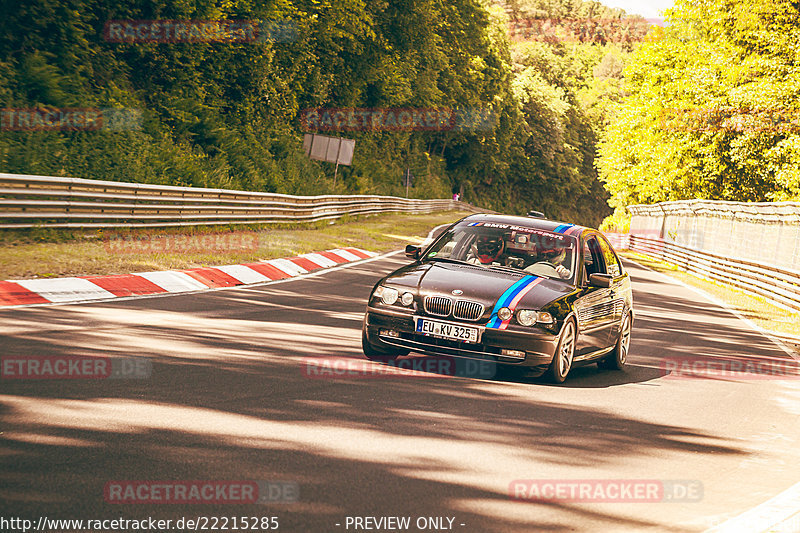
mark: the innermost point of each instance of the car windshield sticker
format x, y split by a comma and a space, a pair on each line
531, 231
510, 299
567, 229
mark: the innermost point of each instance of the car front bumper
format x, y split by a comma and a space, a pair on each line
395, 329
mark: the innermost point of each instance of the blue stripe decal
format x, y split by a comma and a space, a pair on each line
506, 298
563, 227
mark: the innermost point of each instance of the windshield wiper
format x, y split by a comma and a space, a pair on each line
507, 269
449, 260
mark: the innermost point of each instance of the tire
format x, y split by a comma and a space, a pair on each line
564, 354
618, 358
373, 353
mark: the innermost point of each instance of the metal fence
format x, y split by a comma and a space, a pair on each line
31, 201
766, 233
752, 246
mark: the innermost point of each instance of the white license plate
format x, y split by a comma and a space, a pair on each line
444, 330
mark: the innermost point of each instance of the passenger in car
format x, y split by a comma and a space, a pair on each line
486, 250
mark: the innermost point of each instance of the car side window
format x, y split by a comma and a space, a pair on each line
592, 257
612, 262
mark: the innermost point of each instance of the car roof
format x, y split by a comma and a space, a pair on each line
530, 222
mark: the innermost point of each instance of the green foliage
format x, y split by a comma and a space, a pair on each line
227, 114
709, 110
618, 222
563, 90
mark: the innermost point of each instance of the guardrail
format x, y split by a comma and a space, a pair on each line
31, 201
779, 284
763, 232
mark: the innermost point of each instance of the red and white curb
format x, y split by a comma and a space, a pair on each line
90, 288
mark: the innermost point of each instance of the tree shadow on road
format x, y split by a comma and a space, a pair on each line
229, 399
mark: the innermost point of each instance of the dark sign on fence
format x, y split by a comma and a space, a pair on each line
330, 149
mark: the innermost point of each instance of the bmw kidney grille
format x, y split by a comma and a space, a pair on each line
462, 309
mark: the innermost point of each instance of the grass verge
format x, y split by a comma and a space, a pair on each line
44, 253
782, 323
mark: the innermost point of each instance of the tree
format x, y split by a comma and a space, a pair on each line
710, 108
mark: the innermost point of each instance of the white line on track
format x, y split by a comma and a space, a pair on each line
287, 266
207, 289
780, 514
243, 273
59, 290
173, 281
321, 260
180, 283
344, 254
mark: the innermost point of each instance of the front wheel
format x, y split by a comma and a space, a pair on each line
565, 352
373, 353
618, 358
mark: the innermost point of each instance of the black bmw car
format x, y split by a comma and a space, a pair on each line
533, 293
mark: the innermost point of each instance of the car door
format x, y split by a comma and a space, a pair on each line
594, 308
620, 286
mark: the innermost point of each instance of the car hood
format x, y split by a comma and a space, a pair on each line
477, 283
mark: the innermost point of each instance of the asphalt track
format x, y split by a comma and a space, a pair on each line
230, 398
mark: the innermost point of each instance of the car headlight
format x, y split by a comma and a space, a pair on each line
526, 317
529, 317
407, 299
387, 295
504, 313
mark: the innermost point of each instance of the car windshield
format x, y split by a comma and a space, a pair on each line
505, 246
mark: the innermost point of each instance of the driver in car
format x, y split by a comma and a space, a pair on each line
486, 250
556, 258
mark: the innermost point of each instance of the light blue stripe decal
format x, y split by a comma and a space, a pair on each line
505, 299
563, 227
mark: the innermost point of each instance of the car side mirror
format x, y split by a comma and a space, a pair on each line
600, 280
413, 251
